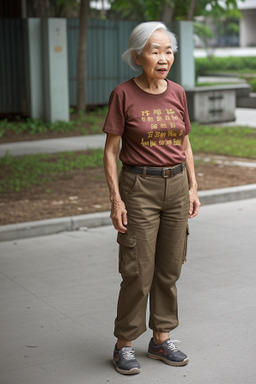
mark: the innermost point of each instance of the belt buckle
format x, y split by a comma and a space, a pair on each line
166, 172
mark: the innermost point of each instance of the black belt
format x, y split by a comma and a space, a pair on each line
151, 171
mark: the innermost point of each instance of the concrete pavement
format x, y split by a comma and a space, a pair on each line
244, 117
58, 302
226, 51
66, 144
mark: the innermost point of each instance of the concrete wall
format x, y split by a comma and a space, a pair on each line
211, 104
248, 28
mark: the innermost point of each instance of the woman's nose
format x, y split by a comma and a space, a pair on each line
162, 59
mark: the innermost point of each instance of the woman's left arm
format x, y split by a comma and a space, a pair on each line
194, 202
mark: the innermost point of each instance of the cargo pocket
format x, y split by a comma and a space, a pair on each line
128, 262
185, 246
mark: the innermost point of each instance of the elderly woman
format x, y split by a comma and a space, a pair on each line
155, 195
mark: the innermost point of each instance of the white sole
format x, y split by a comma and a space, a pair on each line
132, 371
166, 361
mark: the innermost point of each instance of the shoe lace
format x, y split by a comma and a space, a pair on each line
171, 345
128, 353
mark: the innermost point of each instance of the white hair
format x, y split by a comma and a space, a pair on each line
139, 38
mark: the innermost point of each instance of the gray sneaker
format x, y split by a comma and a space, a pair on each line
125, 361
167, 352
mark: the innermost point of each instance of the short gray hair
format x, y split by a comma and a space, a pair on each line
139, 38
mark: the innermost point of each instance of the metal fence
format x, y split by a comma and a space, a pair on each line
12, 66
106, 41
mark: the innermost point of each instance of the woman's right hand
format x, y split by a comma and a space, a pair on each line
119, 215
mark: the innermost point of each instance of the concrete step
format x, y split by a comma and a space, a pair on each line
246, 101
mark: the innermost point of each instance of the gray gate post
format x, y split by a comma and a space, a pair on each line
183, 70
56, 98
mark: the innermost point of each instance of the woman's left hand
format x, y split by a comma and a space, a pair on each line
194, 203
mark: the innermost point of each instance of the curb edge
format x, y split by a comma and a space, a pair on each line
51, 226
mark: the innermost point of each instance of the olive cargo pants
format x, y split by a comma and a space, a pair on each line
151, 252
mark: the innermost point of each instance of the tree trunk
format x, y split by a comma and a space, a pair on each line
167, 13
81, 54
192, 7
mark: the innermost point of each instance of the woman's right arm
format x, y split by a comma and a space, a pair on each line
118, 210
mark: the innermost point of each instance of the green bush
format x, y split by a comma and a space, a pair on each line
209, 65
90, 124
252, 82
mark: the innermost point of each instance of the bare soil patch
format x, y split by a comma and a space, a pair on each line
86, 192
10, 137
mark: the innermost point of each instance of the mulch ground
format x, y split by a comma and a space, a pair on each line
85, 191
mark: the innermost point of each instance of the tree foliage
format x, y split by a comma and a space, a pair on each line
52, 8
64, 8
38, 8
147, 10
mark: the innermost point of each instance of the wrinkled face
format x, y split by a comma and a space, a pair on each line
156, 57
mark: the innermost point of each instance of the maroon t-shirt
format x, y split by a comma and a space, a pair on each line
152, 126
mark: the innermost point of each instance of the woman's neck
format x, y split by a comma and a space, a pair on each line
155, 86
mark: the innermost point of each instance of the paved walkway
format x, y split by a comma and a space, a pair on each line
227, 51
58, 302
76, 143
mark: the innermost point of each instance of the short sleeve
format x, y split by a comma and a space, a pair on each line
115, 120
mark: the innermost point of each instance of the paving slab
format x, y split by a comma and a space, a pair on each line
244, 117
226, 51
65, 144
58, 302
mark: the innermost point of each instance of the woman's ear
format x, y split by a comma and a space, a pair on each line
136, 57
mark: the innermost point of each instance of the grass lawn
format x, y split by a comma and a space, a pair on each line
229, 141
17, 173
